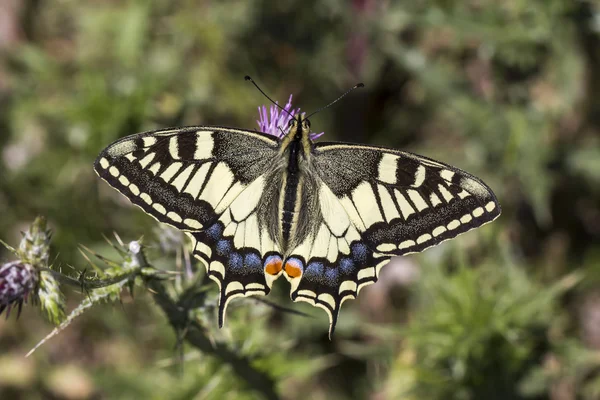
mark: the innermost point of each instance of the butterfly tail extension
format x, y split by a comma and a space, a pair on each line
326, 270
238, 270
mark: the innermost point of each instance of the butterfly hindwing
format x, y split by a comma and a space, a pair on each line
402, 203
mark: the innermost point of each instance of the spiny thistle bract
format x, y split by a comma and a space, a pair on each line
30, 276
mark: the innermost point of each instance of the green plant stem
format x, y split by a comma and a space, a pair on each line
194, 335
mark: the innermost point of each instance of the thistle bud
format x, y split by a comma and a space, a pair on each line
35, 245
17, 281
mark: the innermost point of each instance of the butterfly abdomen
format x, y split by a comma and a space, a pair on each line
290, 204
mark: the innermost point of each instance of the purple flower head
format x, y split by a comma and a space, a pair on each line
17, 281
276, 121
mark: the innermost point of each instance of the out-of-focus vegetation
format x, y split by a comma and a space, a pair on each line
508, 90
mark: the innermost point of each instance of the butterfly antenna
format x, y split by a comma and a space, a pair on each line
264, 94
358, 85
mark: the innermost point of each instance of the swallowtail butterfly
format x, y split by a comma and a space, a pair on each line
327, 216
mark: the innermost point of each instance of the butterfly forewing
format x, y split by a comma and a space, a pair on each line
400, 202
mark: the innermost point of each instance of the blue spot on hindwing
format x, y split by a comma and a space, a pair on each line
253, 262
347, 265
360, 253
223, 247
314, 270
215, 231
235, 261
331, 276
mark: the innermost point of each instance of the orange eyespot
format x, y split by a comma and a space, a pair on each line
273, 265
293, 268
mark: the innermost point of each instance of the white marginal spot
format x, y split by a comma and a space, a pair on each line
405, 206
490, 206
217, 267
417, 199
233, 286
439, 230
160, 208
171, 171
192, 223
124, 181
333, 211
478, 212
385, 247
255, 286
114, 171
419, 176
174, 216
182, 178
364, 199
387, 203
204, 145
327, 299
365, 273
204, 249
447, 195
134, 189
406, 244
423, 238
307, 293
243, 205
130, 157
155, 168
193, 188
146, 198
453, 224
149, 141
435, 200
104, 163
347, 285
465, 219
144, 162
447, 175
174, 148
387, 168
218, 184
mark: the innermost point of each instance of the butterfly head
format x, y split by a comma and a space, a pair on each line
299, 127
298, 135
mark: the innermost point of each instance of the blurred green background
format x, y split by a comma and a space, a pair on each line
507, 90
